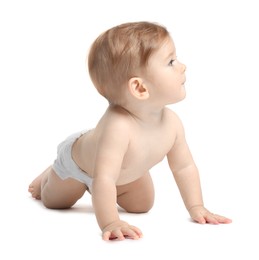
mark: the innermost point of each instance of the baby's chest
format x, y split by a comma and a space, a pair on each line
148, 151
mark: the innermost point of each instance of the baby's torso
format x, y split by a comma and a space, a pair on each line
147, 147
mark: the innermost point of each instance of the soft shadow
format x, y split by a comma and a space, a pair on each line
77, 208
81, 208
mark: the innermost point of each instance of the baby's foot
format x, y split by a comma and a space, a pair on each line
35, 187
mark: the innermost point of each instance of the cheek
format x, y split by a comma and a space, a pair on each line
176, 90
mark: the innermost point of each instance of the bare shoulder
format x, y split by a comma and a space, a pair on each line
116, 117
172, 118
116, 122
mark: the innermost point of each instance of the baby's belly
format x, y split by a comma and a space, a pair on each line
129, 176
136, 169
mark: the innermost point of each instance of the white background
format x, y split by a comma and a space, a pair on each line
46, 94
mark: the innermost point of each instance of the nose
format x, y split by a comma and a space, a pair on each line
183, 67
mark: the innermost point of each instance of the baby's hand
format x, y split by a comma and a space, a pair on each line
119, 230
202, 216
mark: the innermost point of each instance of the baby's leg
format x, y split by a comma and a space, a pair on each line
137, 196
35, 186
54, 192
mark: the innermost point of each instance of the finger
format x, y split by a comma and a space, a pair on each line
137, 231
127, 232
211, 219
222, 220
111, 235
199, 218
118, 234
106, 235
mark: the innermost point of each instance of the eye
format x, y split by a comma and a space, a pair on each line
171, 62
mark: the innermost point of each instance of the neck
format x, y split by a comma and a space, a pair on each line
143, 113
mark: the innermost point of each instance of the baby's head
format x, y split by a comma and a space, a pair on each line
121, 53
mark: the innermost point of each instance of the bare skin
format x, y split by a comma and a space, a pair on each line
128, 197
127, 142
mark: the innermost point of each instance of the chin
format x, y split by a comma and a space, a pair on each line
179, 99
183, 95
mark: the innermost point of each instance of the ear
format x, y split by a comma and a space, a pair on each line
137, 88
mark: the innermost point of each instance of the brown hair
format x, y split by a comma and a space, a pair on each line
120, 52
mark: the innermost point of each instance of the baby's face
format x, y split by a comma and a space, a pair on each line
165, 75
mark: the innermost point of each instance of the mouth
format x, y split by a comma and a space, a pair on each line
184, 81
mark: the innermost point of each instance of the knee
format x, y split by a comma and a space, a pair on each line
52, 204
138, 210
138, 207
55, 206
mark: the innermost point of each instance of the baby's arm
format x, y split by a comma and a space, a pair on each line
188, 181
112, 146
104, 202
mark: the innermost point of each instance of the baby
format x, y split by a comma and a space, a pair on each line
135, 67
